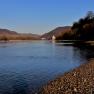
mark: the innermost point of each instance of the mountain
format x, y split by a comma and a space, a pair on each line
56, 32
6, 34
6, 31
30, 36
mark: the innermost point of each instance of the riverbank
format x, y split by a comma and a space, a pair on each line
17, 41
78, 81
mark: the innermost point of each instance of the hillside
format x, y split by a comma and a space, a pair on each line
6, 31
6, 34
82, 30
56, 32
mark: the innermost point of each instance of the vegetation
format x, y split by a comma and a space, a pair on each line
57, 32
81, 30
6, 35
17, 37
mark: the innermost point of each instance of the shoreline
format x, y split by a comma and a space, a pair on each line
17, 41
77, 81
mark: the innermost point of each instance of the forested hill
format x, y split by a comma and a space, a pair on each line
81, 30
56, 32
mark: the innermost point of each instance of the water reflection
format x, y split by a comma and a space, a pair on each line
85, 51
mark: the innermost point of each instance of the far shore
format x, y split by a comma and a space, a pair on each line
3, 41
78, 81
71, 42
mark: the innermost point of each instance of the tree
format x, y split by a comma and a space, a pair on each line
90, 15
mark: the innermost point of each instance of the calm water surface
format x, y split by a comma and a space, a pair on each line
26, 66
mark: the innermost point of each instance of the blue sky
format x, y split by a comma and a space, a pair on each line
40, 16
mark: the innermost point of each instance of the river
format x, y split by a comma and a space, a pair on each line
26, 66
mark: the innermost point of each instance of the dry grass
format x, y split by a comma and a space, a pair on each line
7, 37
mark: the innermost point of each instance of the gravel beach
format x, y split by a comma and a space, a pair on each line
78, 81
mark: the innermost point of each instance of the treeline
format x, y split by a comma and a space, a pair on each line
81, 30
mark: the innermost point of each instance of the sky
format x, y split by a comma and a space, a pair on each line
41, 16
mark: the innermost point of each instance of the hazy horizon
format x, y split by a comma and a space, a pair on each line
41, 16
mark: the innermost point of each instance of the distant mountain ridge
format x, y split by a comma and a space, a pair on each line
6, 34
56, 32
6, 31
